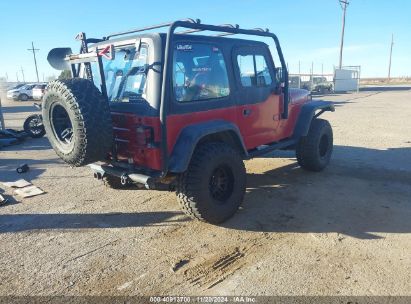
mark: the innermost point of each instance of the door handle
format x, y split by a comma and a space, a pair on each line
247, 112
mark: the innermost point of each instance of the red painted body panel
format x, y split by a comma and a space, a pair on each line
125, 133
176, 123
262, 126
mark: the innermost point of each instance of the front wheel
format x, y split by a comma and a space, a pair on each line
23, 97
213, 187
33, 125
314, 150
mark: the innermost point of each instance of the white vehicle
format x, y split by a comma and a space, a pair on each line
38, 91
23, 93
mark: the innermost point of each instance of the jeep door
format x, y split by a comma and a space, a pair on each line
259, 106
201, 86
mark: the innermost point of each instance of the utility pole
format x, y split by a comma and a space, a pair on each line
34, 56
344, 4
389, 65
17, 76
312, 73
22, 72
299, 74
7, 77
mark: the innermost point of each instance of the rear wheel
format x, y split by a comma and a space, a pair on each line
314, 150
77, 120
213, 187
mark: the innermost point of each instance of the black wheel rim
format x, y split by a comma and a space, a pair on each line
61, 125
324, 146
36, 125
221, 183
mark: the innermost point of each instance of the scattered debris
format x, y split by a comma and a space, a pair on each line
3, 200
125, 285
23, 168
179, 264
24, 188
21, 183
28, 191
9, 137
4, 142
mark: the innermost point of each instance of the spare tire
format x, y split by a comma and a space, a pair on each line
77, 120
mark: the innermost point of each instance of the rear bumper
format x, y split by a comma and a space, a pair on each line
125, 175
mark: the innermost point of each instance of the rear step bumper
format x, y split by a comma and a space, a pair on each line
125, 176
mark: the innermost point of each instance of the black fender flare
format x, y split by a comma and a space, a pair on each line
307, 113
191, 135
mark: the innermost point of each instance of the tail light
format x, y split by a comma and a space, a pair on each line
145, 136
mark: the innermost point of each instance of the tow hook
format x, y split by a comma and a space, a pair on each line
124, 179
98, 175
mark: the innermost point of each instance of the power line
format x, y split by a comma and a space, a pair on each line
343, 4
34, 56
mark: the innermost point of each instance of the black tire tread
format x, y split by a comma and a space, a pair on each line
188, 182
92, 119
307, 148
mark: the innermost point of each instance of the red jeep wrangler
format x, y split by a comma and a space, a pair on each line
181, 109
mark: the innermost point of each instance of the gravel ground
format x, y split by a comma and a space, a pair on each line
345, 231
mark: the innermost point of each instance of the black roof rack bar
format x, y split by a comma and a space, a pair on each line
229, 34
234, 26
152, 27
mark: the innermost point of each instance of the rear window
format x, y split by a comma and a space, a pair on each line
199, 72
125, 75
40, 86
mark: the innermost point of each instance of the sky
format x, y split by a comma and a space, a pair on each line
309, 31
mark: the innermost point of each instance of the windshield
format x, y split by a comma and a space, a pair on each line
17, 86
319, 79
125, 75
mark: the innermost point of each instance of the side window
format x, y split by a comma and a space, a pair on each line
263, 73
199, 72
247, 72
254, 71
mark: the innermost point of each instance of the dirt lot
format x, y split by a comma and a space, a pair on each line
345, 231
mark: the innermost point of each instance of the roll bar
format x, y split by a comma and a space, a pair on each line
193, 26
